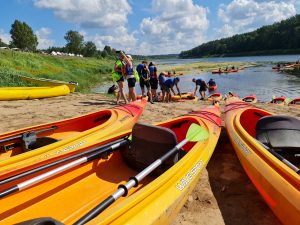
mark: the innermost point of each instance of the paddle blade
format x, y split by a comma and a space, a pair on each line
197, 133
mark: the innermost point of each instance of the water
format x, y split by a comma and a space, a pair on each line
262, 80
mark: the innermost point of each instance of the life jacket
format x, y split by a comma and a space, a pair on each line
153, 71
161, 79
132, 73
169, 83
115, 75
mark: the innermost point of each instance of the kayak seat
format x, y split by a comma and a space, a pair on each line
41, 221
149, 143
281, 133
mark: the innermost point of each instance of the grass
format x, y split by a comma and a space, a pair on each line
88, 72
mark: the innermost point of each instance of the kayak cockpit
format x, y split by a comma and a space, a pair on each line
37, 137
279, 133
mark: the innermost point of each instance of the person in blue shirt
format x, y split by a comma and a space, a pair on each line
144, 75
153, 80
169, 84
203, 87
211, 82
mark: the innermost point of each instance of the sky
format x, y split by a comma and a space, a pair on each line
145, 27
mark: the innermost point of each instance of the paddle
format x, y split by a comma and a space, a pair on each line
96, 153
281, 158
103, 148
195, 133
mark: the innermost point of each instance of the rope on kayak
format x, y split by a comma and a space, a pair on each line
126, 109
238, 105
205, 115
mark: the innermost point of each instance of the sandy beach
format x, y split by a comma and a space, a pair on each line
223, 195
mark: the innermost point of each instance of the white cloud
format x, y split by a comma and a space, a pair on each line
107, 18
246, 15
89, 13
43, 38
179, 25
5, 37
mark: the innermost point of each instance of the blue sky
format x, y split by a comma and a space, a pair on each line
143, 26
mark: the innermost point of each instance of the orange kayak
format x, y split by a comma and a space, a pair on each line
215, 96
213, 88
277, 183
33, 146
278, 100
157, 199
250, 98
295, 102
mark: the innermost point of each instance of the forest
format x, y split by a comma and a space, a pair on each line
279, 38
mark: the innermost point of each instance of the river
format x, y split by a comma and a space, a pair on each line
261, 80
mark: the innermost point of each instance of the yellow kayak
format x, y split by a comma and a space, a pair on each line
68, 196
23, 93
261, 140
49, 82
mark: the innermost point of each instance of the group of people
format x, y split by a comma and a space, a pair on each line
147, 77
149, 81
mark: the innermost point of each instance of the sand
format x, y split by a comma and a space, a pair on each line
223, 195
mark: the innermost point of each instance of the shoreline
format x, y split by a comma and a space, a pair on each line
223, 195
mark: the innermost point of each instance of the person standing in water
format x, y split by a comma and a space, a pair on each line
203, 87
129, 74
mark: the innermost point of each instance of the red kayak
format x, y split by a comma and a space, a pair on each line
295, 102
250, 98
278, 100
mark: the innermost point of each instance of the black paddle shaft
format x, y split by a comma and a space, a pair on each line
104, 148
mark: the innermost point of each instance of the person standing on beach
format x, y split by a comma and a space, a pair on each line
129, 74
203, 87
153, 80
144, 75
169, 84
117, 76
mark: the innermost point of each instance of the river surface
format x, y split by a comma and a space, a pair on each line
261, 80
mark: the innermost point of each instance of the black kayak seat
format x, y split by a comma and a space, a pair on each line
149, 143
279, 132
41, 221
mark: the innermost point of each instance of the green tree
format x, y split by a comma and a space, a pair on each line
90, 49
74, 42
2, 44
104, 54
22, 36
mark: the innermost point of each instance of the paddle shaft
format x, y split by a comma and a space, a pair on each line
106, 147
133, 182
21, 135
281, 158
51, 173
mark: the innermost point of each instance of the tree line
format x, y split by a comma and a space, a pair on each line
279, 37
23, 37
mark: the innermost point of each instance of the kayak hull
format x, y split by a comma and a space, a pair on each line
23, 93
276, 182
156, 200
72, 135
184, 97
49, 82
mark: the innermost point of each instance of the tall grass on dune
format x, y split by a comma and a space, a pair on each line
88, 72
